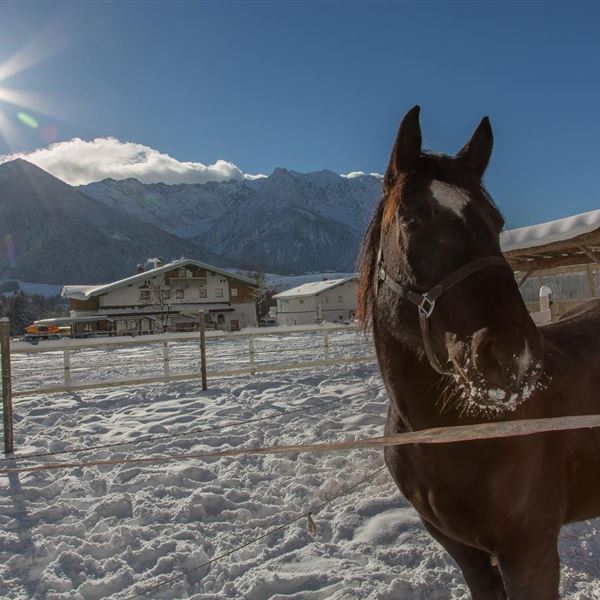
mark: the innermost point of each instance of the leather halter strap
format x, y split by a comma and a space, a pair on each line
425, 302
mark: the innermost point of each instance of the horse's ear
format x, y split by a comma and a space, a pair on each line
407, 147
477, 151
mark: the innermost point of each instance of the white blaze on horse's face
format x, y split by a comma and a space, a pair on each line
449, 196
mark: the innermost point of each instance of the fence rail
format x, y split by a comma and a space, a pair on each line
250, 355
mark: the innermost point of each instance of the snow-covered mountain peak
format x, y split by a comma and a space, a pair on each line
288, 222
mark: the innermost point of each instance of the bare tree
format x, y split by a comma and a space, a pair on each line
262, 294
160, 296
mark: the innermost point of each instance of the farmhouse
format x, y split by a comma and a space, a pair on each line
328, 300
165, 298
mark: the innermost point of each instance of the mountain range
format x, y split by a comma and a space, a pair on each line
52, 233
286, 223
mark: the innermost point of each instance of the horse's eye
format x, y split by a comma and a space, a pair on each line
407, 221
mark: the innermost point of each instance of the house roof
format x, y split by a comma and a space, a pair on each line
313, 289
570, 241
84, 292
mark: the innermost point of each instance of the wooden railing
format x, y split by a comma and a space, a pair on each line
245, 359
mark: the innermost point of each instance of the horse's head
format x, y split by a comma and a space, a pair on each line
436, 224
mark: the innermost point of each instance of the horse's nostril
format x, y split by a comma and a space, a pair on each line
488, 360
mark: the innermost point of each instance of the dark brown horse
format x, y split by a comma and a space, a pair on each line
456, 345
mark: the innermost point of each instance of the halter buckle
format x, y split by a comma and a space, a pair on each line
426, 305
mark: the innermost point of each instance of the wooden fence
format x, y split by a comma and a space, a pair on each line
247, 353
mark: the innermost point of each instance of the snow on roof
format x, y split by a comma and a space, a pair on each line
313, 289
79, 292
550, 232
84, 292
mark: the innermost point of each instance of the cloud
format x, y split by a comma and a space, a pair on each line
355, 174
79, 162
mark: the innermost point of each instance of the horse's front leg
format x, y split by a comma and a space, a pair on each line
531, 569
482, 577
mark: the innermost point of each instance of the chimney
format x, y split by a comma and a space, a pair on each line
140, 268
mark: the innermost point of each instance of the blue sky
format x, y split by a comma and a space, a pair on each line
321, 85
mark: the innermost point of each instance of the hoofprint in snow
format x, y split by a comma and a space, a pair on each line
110, 532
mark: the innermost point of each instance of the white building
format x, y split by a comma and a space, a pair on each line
329, 300
166, 298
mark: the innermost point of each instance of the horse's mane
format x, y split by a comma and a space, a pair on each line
367, 264
367, 257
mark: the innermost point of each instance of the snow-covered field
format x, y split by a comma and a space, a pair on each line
111, 532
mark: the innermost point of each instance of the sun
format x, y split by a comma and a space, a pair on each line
37, 50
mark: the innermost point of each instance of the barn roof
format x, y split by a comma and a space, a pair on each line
570, 241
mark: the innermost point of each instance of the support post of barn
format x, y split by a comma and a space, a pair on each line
6, 386
591, 281
202, 328
524, 278
326, 346
251, 352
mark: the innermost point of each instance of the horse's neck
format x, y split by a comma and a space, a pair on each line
415, 389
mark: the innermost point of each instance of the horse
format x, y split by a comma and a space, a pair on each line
455, 346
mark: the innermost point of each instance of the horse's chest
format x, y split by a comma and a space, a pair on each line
433, 485
460, 490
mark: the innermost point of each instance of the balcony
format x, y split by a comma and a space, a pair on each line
175, 281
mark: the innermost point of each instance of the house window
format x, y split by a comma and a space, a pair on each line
301, 300
219, 293
145, 295
324, 300
340, 298
202, 293
234, 292
165, 293
179, 294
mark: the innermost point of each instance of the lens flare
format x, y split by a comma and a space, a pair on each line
48, 42
27, 120
49, 133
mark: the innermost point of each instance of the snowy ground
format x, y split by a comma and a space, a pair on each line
110, 532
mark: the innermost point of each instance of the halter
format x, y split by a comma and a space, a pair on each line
425, 302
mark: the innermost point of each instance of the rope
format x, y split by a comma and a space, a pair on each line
441, 435
172, 435
256, 539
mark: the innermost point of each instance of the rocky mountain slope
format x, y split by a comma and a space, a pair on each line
286, 223
52, 233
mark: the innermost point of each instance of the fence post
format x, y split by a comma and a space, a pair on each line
67, 366
166, 358
591, 281
326, 346
6, 385
251, 352
202, 327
